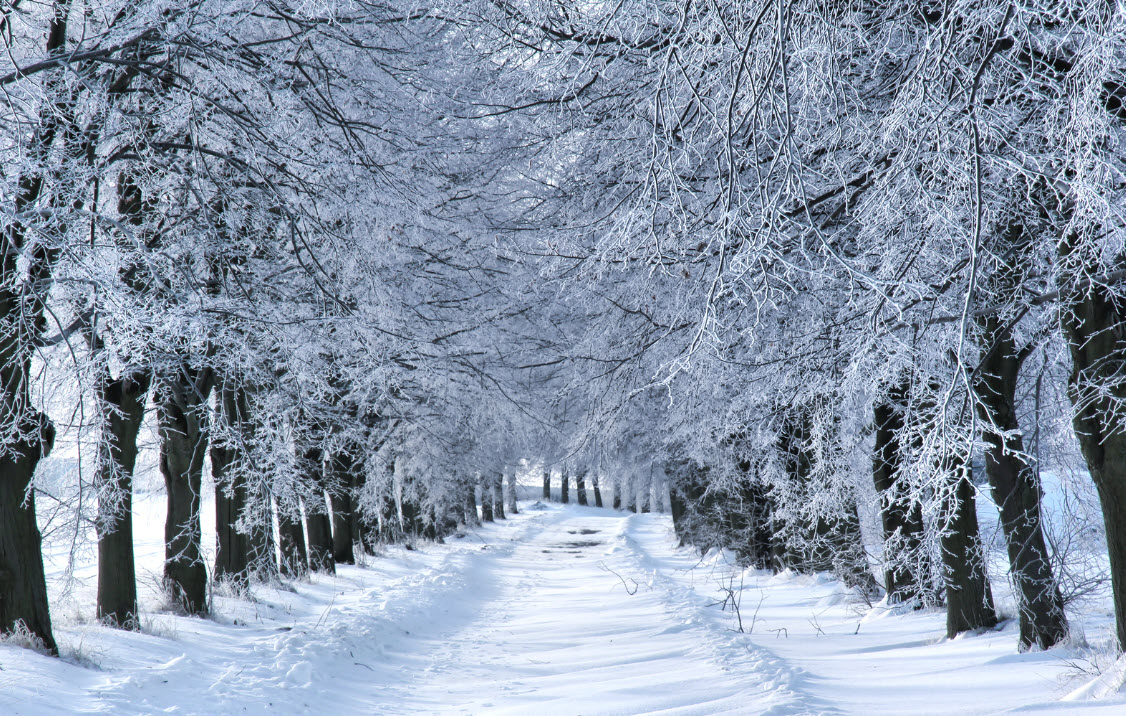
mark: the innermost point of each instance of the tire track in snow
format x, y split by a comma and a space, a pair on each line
674, 575
335, 662
566, 636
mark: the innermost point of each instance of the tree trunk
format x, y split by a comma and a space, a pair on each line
547, 485
471, 517
628, 493
563, 486
291, 541
907, 577
580, 487
23, 583
645, 494
1016, 490
318, 523
512, 496
597, 491
616, 494
122, 402
182, 420
969, 600
1094, 322
497, 490
233, 548
342, 467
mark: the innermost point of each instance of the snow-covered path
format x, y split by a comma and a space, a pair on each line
559, 610
571, 632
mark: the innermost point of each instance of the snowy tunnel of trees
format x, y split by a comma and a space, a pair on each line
796, 267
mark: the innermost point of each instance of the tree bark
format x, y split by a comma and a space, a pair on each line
563, 486
597, 491
580, 487
23, 583
318, 523
342, 467
1094, 322
496, 482
616, 494
122, 402
471, 517
969, 600
547, 485
233, 548
512, 496
182, 420
1016, 489
907, 578
291, 543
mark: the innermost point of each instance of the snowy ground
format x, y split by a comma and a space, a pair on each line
560, 610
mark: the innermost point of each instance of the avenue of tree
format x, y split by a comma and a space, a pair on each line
362, 264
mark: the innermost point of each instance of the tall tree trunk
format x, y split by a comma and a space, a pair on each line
564, 478
291, 542
616, 494
547, 485
969, 600
122, 402
497, 490
260, 538
512, 496
907, 578
471, 517
233, 548
342, 467
23, 583
486, 500
26, 268
645, 495
1094, 322
1016, 489
182, 419
597, 491
318, 523
580, 487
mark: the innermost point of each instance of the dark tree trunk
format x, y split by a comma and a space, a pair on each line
471, 517
547, 485
512, 496
580, 487
645, 497
23, 583
263, 553
233, 548
25, 277
182, 419
1094, 322
564, 478
486, 500
318, 523
969, 600
1016, 489
390, 527
411, 514
291, 543
907, 579
597, 491
342, 467
497, 489
616, 494
122, 402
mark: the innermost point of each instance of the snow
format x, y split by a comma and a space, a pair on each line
558, 610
